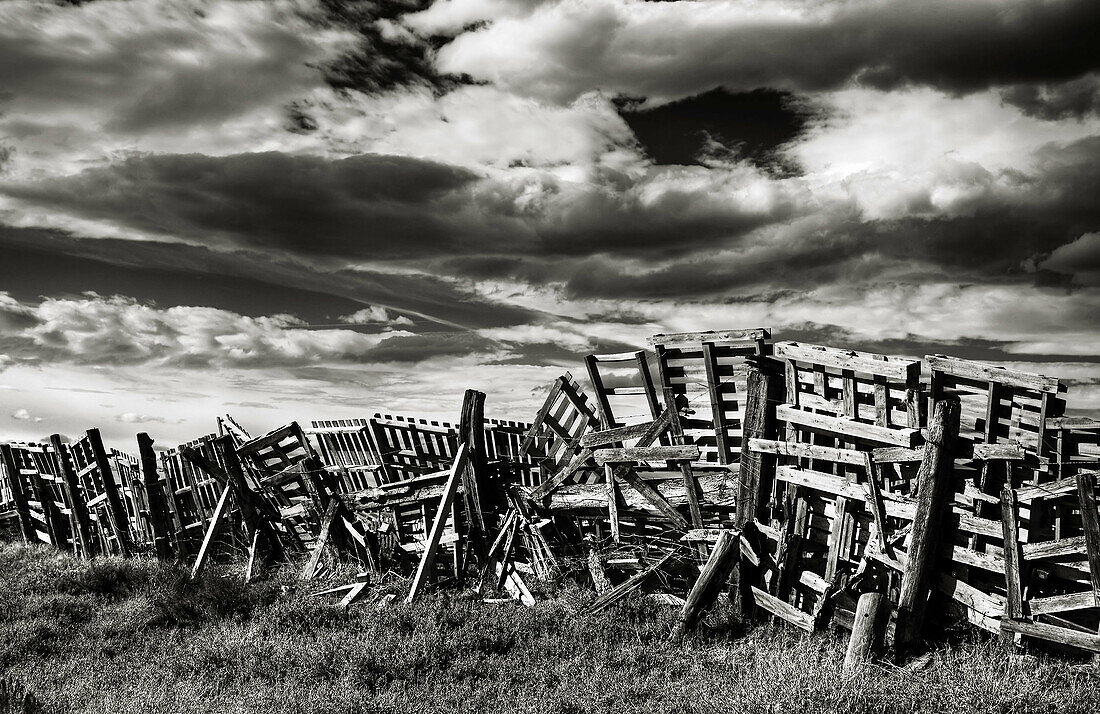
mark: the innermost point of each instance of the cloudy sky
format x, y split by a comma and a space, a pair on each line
329, 208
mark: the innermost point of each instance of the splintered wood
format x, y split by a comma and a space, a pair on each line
818, 486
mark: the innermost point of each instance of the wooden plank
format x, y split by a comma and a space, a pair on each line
979, 372
895, 368
82, 527
1090, 525
120, 522
1061, 635
756, 472
625, 588
802, 450
717, 407
612, 502
1060, 603
783, 610
431, 545
619, 434
1013, 584
704, 591
648, 453
899, 436
653, 496
673, 339
310, 569
1055, 548
868, 631
212, 530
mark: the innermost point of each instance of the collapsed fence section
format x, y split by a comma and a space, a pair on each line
818, 486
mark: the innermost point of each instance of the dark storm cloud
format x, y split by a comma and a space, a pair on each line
374, 207
245, 282
152, 66
1074, 99
750, 125
672, 50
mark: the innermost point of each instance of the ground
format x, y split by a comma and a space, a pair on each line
136, 636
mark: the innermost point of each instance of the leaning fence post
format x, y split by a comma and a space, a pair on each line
868, 630
933, 494
755, 474
710, 580
22, 507
158, 505
82, 525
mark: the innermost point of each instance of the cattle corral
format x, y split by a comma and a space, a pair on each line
819, 487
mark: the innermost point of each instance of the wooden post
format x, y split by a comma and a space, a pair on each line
431, 545
1090, 524
710, 581
757, 469
216, 521
472, 433
595, 568
81, 524
120, 523
19, 495
1014, 607
933, 500
868, 631
158, 504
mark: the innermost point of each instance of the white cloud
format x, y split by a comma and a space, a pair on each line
24, 415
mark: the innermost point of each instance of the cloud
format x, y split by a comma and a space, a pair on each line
84, 82
133, 418
1079, 258
563, 48
375, 314
24, 415
116, 330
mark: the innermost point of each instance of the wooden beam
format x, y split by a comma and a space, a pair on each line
713, 576
868, 631
933, 502
158, 504
119, 520
212, 530
1090, 524
82, 525
431, 545
647, 453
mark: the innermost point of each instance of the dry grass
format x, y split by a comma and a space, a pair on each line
135, 636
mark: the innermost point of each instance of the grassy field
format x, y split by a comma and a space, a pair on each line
135, 636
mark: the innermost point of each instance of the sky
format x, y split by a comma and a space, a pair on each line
328, 209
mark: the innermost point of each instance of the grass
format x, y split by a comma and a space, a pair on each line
136, 636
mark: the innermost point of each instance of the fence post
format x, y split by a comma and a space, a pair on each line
22, 508
868, 630
119, 521
154, 488
81, 524
757, 470
933, 502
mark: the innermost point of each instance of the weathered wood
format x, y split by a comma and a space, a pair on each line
847, 427
630, 476
595, 568
1013, 580
979, 372
1055, 548
619, 434
625, 588
612, 502
693, 338
713, 576
801, 450
933, 494
1090, 524
159, 518
783, 610
81, 523
472, 432
431, 544
718, 489
756, 470
868, 631
647, 453
899, 369
217, 519
310, 569
120, 523
1081, 640
19, 495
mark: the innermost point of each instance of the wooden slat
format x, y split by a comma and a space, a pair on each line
845, 427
